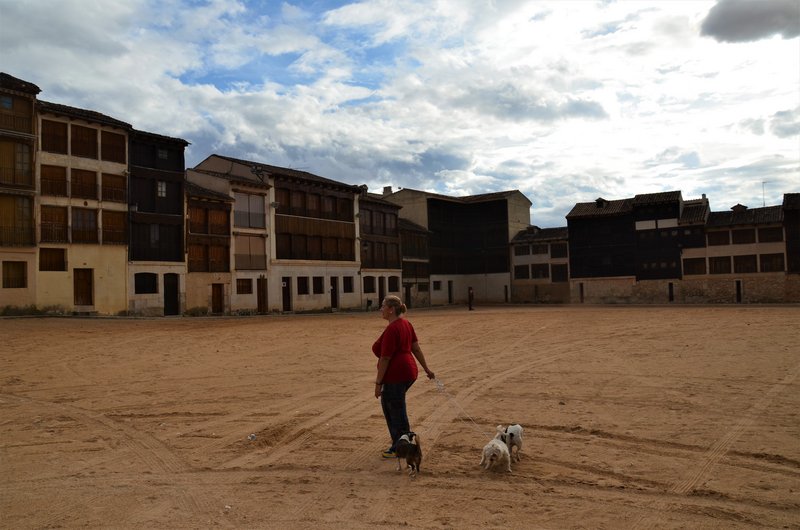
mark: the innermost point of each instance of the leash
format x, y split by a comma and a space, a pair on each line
442, 390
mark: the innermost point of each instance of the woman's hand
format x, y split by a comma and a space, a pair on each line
378, 391
431, 375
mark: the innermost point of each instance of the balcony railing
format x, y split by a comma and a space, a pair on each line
16, 122
11, 176
111, 235
57, 187
84, 235
54, 233
84, 191
115, 194
16, 236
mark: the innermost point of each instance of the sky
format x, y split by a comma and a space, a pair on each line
565, 101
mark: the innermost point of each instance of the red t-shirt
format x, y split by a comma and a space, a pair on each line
395, 342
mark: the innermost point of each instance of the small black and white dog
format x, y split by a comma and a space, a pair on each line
407, 447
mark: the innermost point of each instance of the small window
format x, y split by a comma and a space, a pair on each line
770, 234
15, 275
522, 250
694, 266
163, 154
719, 265
437, 285
772, 263
145, 283
6, 103
539, 249
718, 238
745, 264
347, 284
558, 250
369, 284
394, 283
319, 284
161, 189
744, 236
540, 271
244, 286
522, 272
559, 273
52, 259
302, 285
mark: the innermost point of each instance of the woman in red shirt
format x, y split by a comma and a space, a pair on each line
396, 350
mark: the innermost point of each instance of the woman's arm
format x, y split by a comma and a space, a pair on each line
417, 351
383, 365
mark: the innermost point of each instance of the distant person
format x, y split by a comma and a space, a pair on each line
396, 350
470, 297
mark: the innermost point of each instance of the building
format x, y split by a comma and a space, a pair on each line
381, 267
468, 240
415, 250
540, 265
18, 135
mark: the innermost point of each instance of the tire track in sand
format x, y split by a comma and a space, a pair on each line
718, 450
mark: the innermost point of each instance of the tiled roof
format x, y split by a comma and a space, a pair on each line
374, 197
694, 212
750, 216
88, 115
534, 233
291, 173
249, 181
9, 82
195, 190
600, 208
791, 201
159, 137
657, 198
481, 197
405, 224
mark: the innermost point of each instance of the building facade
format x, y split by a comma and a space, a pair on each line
540, 266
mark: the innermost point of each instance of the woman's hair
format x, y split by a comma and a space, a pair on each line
396, 303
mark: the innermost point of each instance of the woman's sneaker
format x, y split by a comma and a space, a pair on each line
389, 453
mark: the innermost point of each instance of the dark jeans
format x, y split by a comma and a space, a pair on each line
393, 402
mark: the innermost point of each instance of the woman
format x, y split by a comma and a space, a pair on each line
396, 349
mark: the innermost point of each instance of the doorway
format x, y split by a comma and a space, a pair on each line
381, 289
261, 295
407, 300
738, 291
172, 305
449, 291
286, 289
334, 292
83, 286
217, 298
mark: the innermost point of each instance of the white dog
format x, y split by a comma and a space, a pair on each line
495, 455
512, 437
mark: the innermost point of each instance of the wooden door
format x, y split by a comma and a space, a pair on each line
286, 283
83, 286
172, 305
217, 298
261, 294
334, 292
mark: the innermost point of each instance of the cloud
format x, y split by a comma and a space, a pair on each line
752, 20
675, 156
786, 123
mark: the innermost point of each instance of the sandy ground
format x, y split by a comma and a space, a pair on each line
634, 417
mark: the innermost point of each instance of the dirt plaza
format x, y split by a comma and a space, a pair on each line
634, 417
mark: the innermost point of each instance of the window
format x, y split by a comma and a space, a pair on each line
347, 284
52, 259
437, 285
248, 210
218, 258
112, 146
163, 154
302, 285
114, 227
145, 283
745, 264
218, 222
6, 103
84, 225
521, 272
14, 275
15, 163
522, 250
84, 184
244, 286
319, 284
369, 284
744, 236
161, 189
770, 234
394, 283
54, 136
54, 180
540, 271
694, 266
718, 238
198, 258
772, 263
539, 249
198, 220
559, 273
719, 265
54, 224
251, 253
16, 221
558, 250
84, 141
391, 224
114, 188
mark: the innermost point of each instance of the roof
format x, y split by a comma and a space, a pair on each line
749, 216
601, 208
195, 190
694, 212
374, 197
9, 82
481, 197
160, 137
665, 197
534, 233
405, 224
234, 178
274, 171
791, 201
88, 115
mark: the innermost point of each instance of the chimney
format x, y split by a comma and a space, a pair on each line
387, 190
739, 208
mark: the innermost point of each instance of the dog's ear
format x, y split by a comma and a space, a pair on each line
411, 436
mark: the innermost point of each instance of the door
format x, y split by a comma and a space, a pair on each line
449, 291
671, 292
286, 286
407, 299
381, 289
334, 292
261, 294
83, 286
738, 291
172, 305
217, 298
